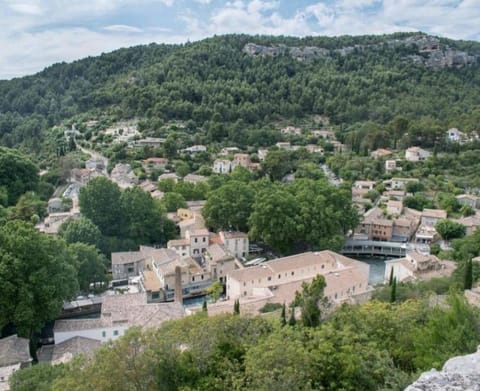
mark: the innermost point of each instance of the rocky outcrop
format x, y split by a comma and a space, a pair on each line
458, 373
429, 52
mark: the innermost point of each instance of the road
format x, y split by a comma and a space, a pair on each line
96, 156
332, 178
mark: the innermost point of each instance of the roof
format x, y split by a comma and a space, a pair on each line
177, 242
151, 281
65, 325
437, 213
299, 261
122, 258
467, 197
127, 309
199, 232
233, 234
14, 350
66, 350
195, 178
394, 204
218, 253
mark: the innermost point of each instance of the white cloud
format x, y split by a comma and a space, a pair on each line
25, 8
37, 33
122, 28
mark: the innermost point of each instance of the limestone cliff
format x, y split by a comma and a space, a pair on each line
458, 373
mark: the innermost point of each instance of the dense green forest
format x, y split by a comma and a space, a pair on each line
377, 346
217, 87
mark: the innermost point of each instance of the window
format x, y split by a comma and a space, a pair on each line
269, 278
293, 273
323, 266
196, 240
193, 278
204, 240
244, 293
104, 334
115, 332
279, 276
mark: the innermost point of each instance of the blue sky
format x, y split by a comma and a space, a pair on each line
38, 33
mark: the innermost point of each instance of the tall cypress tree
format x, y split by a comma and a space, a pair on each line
468, 277
393, 293
283, 316
292, 321
390, 280
204, 306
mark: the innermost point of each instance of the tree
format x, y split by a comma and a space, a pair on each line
17, 174
449, 229
36, 276
414, 187
173, 201
310, 299
292, 321
277, 164
143, 217
393, 292
390, 280
29, 207
80, 230
100, 202
39, 377
229, 206
468, 278
214, 290
274, 219
90, 265
236, 307
467, 210
204, 306
283, 315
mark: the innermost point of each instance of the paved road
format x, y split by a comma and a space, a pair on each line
332, 178
96, 156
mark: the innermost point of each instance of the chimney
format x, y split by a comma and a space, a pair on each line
178, 285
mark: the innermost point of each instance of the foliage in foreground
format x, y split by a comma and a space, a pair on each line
377, 346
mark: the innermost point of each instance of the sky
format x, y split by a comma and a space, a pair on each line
37, 33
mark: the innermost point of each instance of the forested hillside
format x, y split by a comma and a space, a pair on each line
220, 88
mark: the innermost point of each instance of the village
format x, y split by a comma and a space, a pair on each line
153, 284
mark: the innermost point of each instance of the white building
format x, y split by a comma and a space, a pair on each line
455, 136
236, 243
416, 154
14, 355
119, 313
224, 166
417, 266
345, 277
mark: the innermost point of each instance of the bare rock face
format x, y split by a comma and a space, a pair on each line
458, 374
430, 52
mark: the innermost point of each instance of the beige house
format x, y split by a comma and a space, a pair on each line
241, 159
291, 130
375, 226
345, 277
469, 200
127, 264
324, 133
394, 208
365, 185
416, 154
193, 178
471, 223
155, 163
391, 165
399, 183
236, 243
430, 217
380, 153
418, 266
223, 166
